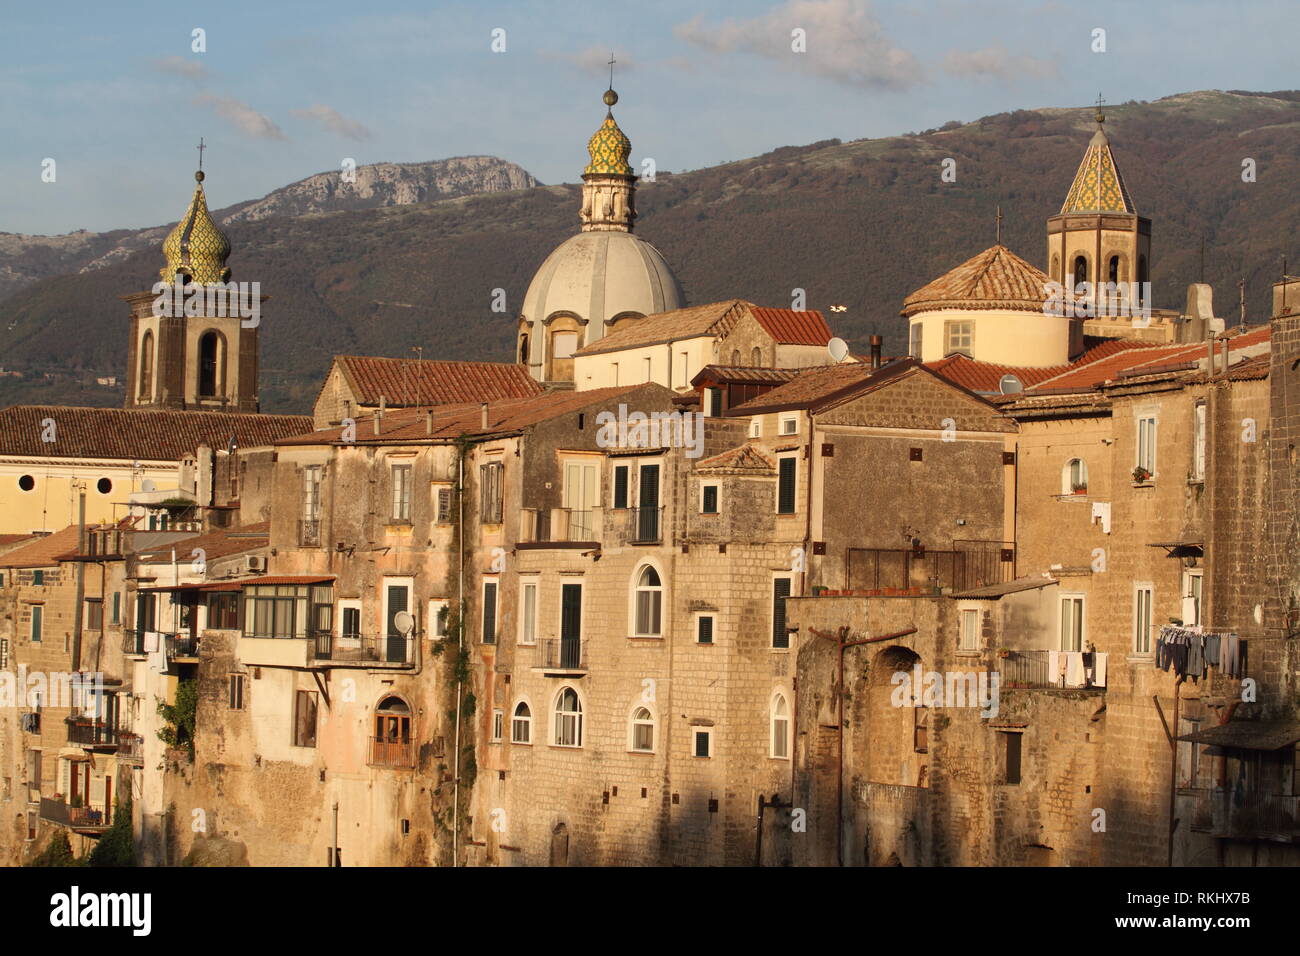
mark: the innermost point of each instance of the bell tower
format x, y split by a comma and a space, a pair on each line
193, 339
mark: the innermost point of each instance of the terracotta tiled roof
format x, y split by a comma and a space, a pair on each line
215, 544
997, 278
1128, 363
745, 375
746, 459
133, 434
987, 376
716, 318
403, 381
822, 385
43, 552
9, 540
792, 326
507, 415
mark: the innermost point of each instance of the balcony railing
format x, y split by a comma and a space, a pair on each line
970, 564
130, 747
133, 643
647, 525
182, 645
309, 533
568, 654
91, 733
77, 818
391, 753
1256, 815
361, 650
1031, 669
559, 525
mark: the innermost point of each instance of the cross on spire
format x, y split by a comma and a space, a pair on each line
611, 71
1101, 117
201, 147
998, 227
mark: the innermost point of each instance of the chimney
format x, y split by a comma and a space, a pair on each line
379, 415
484, 419
876, 342
428, 422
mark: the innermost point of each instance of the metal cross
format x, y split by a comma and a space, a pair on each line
1100, 101
200, 148
611, 71
998, 219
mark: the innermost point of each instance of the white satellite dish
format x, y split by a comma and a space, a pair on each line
1010, 385
147, 485
838, 349
404, 623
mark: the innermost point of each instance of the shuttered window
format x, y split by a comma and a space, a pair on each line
490, 484
710, 506
489, 612
780, 591
704, 629
620, 486
785, 486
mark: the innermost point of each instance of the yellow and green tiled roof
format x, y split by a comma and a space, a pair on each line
196, 246
609, 149
1098, 185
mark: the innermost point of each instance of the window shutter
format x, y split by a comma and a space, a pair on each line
571, 614
490, 612
711, 499
444, 505
785, 489
705, 635
620, 486
780, 591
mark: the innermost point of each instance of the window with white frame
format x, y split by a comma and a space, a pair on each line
643, 731
521, 724
568, 718
709, 499
1192, 581
914, 340
528, 611
702, 741
1142, 601
498, 724
442, 503
401, 493
350, 619
789, 425
959, 337
970, 630
1072, 622
780, 727
704, 628
1074, 477
1146, 445
755, 428
1198, 442
438, 613
649, 603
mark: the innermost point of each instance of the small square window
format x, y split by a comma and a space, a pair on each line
789, 426
709, 504
704, 629
703, 742
38, 579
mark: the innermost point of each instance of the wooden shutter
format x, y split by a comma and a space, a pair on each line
780, 591
785, 489
620, 486
705, 635
490, 612
571, 612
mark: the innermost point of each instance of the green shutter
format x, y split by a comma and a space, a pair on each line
780, 591
785, 489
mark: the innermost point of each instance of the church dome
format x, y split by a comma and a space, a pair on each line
609, 148
197, 246
597, 276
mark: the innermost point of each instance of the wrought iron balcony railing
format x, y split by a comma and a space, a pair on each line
568, 654
647, 525
356, 648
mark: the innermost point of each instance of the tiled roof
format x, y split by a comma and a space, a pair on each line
1098, 185
793, 326
215, 544
9, 540
1082, 377
134, 434
745, 375
822, 385
743, 460
997, 278
987, 376
43, 552
1008, 587
452, 421
403, 381
715, 318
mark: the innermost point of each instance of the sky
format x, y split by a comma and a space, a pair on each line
118, 97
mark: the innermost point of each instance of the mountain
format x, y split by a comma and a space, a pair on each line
861, 224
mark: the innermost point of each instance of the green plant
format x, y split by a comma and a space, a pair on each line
1141, 474
180, 716
117, 846
58, 852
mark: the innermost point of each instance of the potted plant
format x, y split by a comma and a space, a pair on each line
1140, 475
1004, 652
1079, 489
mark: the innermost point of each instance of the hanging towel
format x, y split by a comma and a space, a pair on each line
1212, 650
1099, 670
1053, 666
1074, 669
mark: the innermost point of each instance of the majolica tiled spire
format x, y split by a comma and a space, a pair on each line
1098, 185
609, 185
197, 247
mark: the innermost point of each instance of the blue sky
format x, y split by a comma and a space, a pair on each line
115, 95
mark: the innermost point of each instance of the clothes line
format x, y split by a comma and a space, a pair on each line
1190, 651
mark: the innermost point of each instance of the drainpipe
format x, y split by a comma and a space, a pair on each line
81, 583
335, 860
1173, 769
460, 649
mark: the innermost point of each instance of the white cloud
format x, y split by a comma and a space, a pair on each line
179, 66
845, 42
244, 118
995, 63
595, 60
334, 121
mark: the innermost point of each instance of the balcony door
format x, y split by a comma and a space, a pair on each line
647, 524
571, 625
397, 598
581, 493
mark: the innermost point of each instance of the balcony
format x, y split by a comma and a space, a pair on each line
647, 525
391, 753
356, 650
1260, 816
182, 647
559, 526
92, 734
88, 820
309, 533
566, 657
1030, 669
133, 643
130, 747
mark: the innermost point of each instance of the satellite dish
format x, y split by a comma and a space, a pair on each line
404, 623
1010, 385
838, 349
147, 485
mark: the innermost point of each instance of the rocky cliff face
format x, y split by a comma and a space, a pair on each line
386, 184
25, 259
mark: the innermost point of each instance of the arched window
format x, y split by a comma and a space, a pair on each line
1112, 270
1056, 267
780, 727
649, 603
643, 731
756, 357
523, 350
735, 357
1142, 278
1080, 271
146, 365
521, 725
391, 745
1074, 477
211, 365
568, 719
